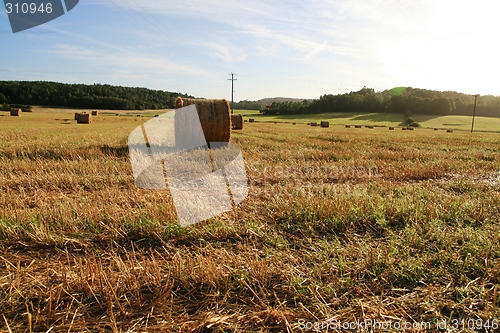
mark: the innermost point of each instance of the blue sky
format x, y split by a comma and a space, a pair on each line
291, 48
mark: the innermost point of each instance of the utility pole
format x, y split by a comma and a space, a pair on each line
232, 79
473, 114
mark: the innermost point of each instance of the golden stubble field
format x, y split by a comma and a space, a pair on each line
342, 228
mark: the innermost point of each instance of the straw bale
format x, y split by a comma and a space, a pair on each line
214, 116
84, 118
237, 121
15, 112
95, 113
325, 124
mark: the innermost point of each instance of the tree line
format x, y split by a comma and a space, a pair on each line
404, 100
82, 96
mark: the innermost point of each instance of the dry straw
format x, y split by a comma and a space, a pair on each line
237, 121
325, 124
15, 112
84, 118
214, 115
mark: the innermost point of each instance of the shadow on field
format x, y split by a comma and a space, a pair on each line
121, 151
377, 117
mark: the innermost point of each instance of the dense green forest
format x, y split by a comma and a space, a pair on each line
404, 100
97, 96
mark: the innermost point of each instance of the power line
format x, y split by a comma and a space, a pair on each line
473, 114
232, 79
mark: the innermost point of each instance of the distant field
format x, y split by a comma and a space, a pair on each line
340, 226
382, 119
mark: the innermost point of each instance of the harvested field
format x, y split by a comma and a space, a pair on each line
351, 225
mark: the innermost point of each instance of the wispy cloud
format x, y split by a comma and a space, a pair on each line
127, 61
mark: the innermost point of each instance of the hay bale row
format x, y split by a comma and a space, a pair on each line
15, 112
325, 124
214, 116
237, 121
83, 118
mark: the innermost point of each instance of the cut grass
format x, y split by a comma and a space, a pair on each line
382, 119
349, 224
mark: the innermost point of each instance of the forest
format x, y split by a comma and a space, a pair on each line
82, 96
404, 100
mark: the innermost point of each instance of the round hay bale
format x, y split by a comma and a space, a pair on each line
391, 128
237, 121
251, 120
95, 113
347, 126
325, 124
314, 124
449, 130
294, 123
357, 126
404, 128
410, 128
84, 118
436, 129
15, 112
214, 115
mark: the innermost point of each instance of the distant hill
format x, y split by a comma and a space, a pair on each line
262, 103
403, 100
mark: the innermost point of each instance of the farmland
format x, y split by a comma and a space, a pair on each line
340, 224
458, 122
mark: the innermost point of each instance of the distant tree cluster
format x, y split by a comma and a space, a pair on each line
248, 105
97, 96
407, 101
262, 103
